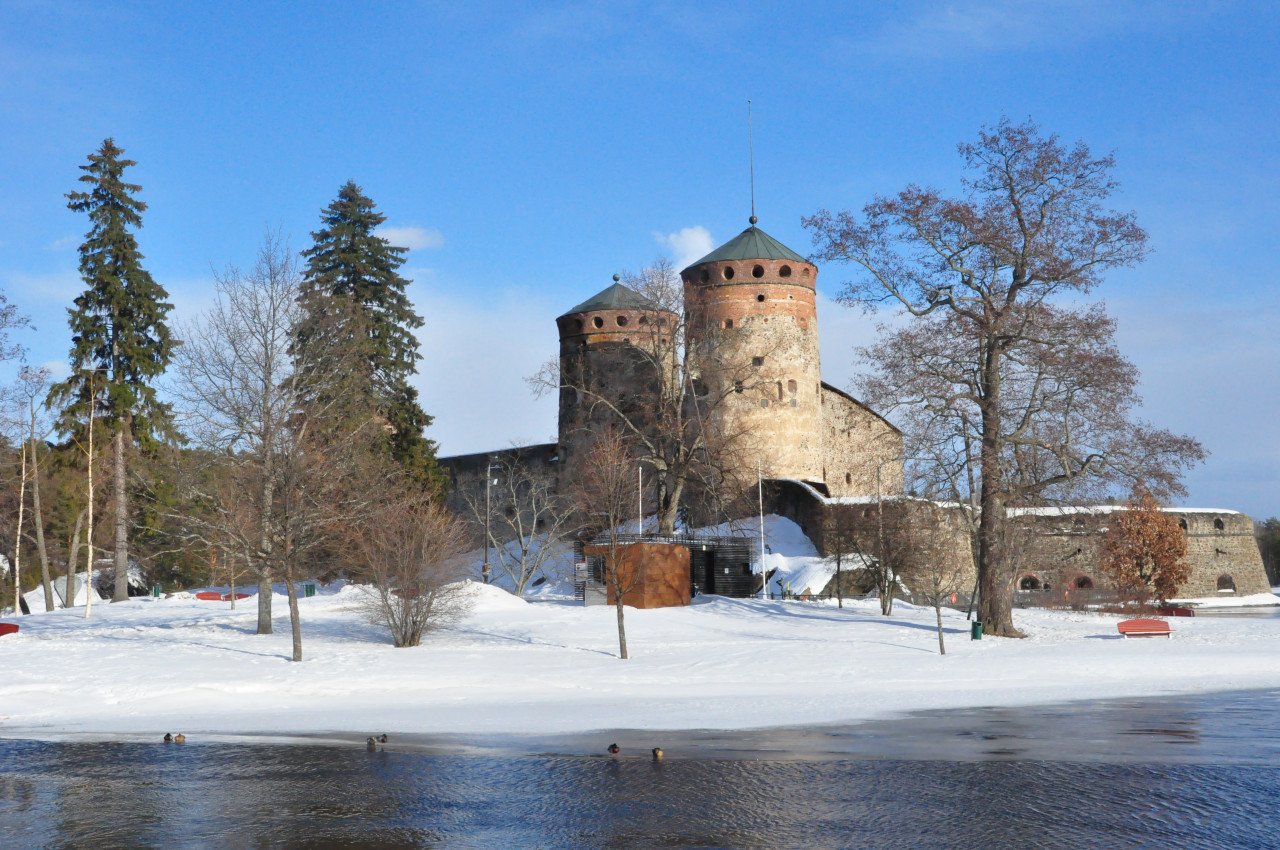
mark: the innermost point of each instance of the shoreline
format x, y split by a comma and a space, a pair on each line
1164, 729
513, 672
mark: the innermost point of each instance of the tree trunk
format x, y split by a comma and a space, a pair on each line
622, 629
995, 589
942, 647
39, 518
617, 601
265, 547
264, 602
122, 521
295, 621
69, 599
17, 540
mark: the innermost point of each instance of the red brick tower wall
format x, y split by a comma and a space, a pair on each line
760, 318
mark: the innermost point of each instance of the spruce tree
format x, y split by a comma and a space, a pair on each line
119, 339
352, 295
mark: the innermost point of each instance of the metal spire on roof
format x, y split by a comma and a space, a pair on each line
751, 164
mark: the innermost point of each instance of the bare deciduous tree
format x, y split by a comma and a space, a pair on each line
938, 572
238, 402
1031, 226
278, 455
408, 549
523, 516
604, 491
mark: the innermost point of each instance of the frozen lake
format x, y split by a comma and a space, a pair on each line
1179, 772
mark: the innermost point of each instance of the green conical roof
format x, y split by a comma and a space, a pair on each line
751, 244
616, 297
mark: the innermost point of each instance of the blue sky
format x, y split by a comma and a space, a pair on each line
528, 151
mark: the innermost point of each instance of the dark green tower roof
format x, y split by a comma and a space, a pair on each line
751, 244
616, 297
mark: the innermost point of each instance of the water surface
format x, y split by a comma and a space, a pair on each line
1176, 773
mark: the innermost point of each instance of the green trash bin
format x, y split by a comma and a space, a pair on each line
975, 630
308, 589
155, 591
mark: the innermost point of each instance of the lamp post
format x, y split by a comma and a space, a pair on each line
764, 570
488, 484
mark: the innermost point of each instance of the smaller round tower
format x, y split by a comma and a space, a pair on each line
613, 347
752, 317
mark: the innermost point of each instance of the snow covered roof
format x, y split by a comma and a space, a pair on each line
1103, 510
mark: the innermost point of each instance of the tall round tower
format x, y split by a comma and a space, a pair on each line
752, 318
613, 347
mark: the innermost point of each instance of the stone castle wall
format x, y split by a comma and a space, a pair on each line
754, 325
1063, 549
619, 355
467, 475
861, 452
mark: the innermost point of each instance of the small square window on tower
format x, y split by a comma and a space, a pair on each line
757, 361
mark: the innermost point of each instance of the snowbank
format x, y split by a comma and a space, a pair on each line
147, 666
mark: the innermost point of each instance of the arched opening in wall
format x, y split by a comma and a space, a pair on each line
578, 324
757, 270
728, 324
804, 272
597, 322
757, 361
1182, 523
1226, 584
1084, 583
706, 275
1218, 524
779, 390
622, 321
759, 295
785, 271
727, 271
792, 386
1029, 583
848, 478
644, 320
737, 386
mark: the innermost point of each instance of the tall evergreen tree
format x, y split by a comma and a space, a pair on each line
353, 295
119, 339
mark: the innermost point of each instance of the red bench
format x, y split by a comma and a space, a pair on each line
215, 596
1144, 628
8, 628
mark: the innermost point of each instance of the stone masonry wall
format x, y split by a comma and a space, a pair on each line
1062, 552
616, 354
754, 324
856, 445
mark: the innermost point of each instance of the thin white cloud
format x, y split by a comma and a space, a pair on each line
941, 30
413, 238
64, 243
57, 369
686, 245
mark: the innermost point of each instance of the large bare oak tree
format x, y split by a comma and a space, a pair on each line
992, 271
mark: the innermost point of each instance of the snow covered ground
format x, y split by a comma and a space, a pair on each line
148, 666
550, 666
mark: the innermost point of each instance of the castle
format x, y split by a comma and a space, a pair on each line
750, 317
